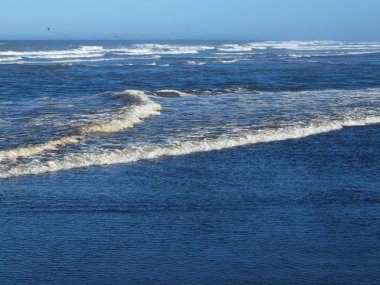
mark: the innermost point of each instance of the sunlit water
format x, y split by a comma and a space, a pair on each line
189, 162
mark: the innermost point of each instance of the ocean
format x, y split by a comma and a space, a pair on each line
189, 162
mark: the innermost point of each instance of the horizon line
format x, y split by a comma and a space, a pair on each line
174, 40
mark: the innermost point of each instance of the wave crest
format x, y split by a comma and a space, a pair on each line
127, 117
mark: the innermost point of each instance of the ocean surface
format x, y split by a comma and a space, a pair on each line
189, 162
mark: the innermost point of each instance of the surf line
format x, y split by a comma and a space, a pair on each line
122, 156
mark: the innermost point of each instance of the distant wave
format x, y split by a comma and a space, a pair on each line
83, 51
192, 62
159, 49
170, 93
300, 45
88, 60
226, 61
238, 48
98, 158
155, 51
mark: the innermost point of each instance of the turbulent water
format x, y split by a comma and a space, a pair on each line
67, 105
189, 162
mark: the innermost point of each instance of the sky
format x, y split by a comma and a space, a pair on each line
350, 20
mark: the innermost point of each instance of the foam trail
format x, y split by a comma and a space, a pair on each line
99, 158
36, 149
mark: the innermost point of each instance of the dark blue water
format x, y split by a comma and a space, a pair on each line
189, 163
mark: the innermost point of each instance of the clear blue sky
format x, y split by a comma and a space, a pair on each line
191, 19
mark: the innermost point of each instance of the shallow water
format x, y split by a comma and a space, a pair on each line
189, 162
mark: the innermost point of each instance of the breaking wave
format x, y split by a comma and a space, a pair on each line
83, 51
36, 149
103, 157
192, 62
124, 118
170, 93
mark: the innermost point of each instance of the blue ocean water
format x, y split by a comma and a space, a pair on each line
189, 162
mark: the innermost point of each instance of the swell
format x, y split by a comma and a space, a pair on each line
99, 158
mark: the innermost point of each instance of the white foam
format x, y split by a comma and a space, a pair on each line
159, 49
227, 61
155, 51
172, 92
81, 52
236, 48
126, 117
302, 46
31, 150
98, 158
10, 58
192, 62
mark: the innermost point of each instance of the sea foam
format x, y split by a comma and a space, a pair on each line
31, 150
83, 51
124, 118
128, 116
184, 147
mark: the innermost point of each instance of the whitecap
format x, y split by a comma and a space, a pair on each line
227, 61
81, 52
126, 117
192, 62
